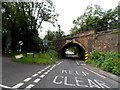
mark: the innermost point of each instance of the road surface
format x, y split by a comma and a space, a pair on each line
65, 73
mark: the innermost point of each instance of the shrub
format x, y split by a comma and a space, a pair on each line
107, 66
108, 61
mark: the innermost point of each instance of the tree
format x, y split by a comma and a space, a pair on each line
21, 21
95, 18
53, 37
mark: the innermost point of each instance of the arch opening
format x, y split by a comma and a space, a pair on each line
73, 51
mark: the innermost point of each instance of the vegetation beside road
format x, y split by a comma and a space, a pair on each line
39, 58
107, 61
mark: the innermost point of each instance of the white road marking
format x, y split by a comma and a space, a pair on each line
34, 75
36, 80
95, 73
53, 66
66, 83
42, 76
27, 79
39, 72
59, 63
30, 86
47, 67
46, 73
84, 73
18, 85
42, 70
50, 69
3, 86
77, 63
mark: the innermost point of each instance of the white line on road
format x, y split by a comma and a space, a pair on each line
47, 67
39, 72
34, 75
18, 85
43, 70
45, 73
42, 76
48, 71
30, 86
36, 80
3, 86
77, 63
59, 63
95, 73
84, 73
27, 79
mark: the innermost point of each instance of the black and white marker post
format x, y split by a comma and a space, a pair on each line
20, 44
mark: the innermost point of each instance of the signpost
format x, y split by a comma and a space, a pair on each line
20, 43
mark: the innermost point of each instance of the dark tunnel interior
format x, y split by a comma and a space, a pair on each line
78, 54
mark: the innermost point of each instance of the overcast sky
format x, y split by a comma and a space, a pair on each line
70, 9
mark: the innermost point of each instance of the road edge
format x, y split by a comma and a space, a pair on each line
106, 74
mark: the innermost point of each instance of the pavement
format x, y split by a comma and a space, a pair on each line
66, 73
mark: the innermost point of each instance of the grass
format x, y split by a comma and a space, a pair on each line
39, 58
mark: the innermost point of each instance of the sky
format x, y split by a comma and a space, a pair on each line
69, 10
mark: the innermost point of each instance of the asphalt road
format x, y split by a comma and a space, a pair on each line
65, 74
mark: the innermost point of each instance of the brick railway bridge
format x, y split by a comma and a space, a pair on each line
86, 42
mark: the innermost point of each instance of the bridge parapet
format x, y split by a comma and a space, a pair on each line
90, 40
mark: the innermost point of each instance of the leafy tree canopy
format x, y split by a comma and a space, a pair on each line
95, 18
21, 21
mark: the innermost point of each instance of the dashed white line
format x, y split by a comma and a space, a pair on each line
95, 73
45, 73
27, 79
42, 76
47, 67
39, 72
37, 80
42, 70
3, 86
18, 85
30, 86
59, 63
48, 71
77, 63
34, 75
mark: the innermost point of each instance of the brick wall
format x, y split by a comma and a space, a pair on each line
108, 41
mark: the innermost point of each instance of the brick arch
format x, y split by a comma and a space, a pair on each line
81, 48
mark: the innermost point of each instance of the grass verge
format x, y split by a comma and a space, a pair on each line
39, 58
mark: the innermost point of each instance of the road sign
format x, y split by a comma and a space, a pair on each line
20, 42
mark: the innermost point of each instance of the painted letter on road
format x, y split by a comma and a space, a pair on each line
55, 80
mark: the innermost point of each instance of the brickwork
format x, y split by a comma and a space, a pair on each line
102, 41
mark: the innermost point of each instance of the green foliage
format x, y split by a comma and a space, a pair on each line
52, 37
21, 21
39, 58
108, 61
95, 18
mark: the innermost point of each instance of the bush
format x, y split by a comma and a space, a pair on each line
108, 61
98, 56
